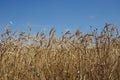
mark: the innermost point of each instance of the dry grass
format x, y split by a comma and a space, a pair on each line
92, 56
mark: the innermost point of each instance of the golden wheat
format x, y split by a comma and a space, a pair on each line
91, 56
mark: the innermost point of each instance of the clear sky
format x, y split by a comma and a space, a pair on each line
60, 14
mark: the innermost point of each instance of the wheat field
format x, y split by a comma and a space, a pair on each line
72, 56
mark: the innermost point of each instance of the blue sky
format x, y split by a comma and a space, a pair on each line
60, 14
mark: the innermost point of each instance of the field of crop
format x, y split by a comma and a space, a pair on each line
72, 56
